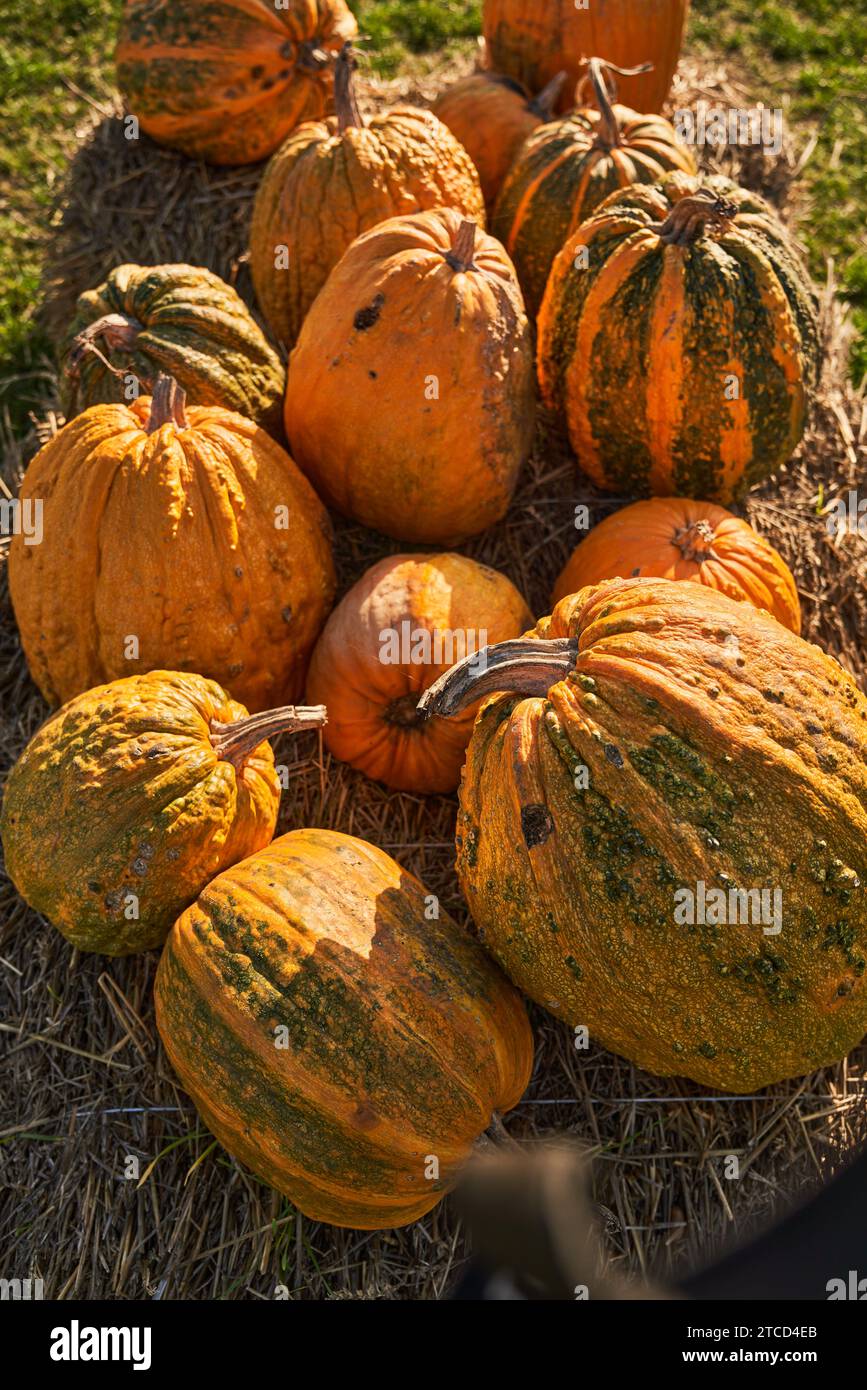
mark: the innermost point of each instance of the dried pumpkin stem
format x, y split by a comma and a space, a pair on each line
118, 333
690, 217
345, 102
524, 666
463, 247
543, 105
605, 91
695, 541
233, 743
167, 404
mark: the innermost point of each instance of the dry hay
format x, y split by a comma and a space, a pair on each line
86, 1084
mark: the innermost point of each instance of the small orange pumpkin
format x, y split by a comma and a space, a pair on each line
405, 622
492, 116
680, 538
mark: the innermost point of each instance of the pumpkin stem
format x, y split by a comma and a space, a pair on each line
233, 743
543, 105
403, 712
167, 404
345, 103
695, 541
690, 217
311, 57
524, 666
118, 333
605, 91
463, 247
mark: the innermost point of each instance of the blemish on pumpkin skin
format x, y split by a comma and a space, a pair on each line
366, 318
536, 824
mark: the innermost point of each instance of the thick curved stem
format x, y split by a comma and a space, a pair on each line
345, 103
524, 666
234, 743
167, 405
118, 333
690, 217
463, 247
605, 92
544, 104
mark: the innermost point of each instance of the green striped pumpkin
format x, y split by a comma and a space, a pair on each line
566, 168
678, 340
181, 320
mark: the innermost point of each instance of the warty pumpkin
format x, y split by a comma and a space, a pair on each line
531, 41
338, 1035
405, 622
492, 116
132, 797
678, 340
226, 80
410, 396
178, 319
172, 539
567, 168
332, 180
680, 538
661, 743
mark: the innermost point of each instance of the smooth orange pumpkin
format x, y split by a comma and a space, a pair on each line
531, 40
680, 538
410, 395
173, 539
405, 622
226, 80
332, 180
344, 1040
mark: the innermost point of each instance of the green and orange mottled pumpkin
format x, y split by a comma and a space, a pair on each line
338, 1037
178, 319
132, 797
172, 539
662, 757
567, 168
492, 116
680, 538
678, 340
531, 40
227, 80
332, 180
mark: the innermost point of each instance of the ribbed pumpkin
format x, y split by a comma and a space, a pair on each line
178, 319
132, 798
663, 740
337, 1033
410, 397
173, 539
567, 168
332, 180
531, 40
679, 340
405, 622
492, 116
226, 80
679, 538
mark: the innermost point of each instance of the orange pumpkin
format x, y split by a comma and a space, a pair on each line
226, 80
175, 540
332, 180
492, 116
531, 40
410, 395
405, 622
679, 538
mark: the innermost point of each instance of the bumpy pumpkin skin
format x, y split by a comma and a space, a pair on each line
325, 186
680, 369
680, 538
492, 116
227, 80
182, 320
122, 792
403, 1037
372, 721
531, 41
410, 400
718, 747
170, 537
561, 175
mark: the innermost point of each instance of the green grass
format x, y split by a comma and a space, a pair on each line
811, 55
